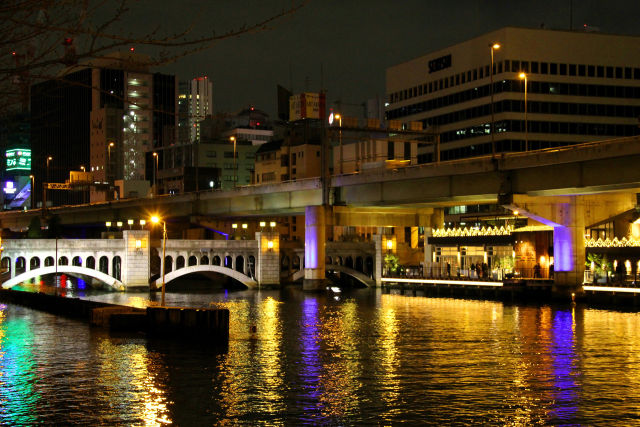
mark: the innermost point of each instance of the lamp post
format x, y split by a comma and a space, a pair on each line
492, 46
156, 220
49, 159
339, 117
526, 124
235, 167
45, 185
33, 186
155, 174
108, 171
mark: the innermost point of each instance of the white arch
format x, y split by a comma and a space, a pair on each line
111, 281
361, 277
242, 278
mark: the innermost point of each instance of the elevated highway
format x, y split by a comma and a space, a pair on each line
590, 168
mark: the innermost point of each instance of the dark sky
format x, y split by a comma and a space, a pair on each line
353, 42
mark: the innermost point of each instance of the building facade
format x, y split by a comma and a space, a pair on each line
107, 118
579, 86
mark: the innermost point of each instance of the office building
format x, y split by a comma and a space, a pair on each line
580, 86
107, 117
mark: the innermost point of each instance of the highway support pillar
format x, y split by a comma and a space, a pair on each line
314, 248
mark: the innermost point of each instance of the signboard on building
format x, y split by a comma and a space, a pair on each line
18, 159
307, 106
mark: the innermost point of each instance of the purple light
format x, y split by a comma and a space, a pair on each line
562, 249
564, 360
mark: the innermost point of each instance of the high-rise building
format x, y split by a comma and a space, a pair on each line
109, 116
580, 86
200, 104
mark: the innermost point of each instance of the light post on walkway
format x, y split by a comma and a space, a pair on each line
156, 220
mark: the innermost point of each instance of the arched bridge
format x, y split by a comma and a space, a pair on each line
65, 269
236, 275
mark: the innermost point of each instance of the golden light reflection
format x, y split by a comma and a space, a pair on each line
341, 377
269, 357
235, 369
388, 360
129, 376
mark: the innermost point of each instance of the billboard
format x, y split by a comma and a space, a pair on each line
18, 159
307, 106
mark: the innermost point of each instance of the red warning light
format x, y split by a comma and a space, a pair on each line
132, 48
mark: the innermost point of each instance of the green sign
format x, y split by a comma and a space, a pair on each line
18, 159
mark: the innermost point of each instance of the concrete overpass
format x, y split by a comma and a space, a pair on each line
590, 168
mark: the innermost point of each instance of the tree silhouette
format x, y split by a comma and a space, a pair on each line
40, 38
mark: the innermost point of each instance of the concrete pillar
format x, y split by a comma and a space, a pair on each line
428, 253
314, 248
267, 267
568, 244
379, 260
135, 259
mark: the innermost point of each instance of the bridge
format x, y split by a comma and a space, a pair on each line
566, 188
126, 263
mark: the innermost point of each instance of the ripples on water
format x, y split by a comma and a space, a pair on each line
355, 358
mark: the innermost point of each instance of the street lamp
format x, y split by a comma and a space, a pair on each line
49, 159
156, 220
492, 46
33, 187
526, 124
155, 174
235, 167
108, 171
82, 168
339, 117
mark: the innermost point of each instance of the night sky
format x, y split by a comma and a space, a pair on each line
353, 42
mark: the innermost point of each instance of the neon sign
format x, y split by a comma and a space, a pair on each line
18, 159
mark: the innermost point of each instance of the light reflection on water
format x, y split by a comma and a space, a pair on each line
296, 358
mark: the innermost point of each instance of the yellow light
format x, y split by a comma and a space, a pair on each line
522, 75
155, 154
496, 46
108, 223
542, 259
130, 221
234, 226
270, 244
138, 244
262, 223
119, 223
516, 213
112, 144
272, 224
244, 226
338, 116
232, 138
143, 222
155, 219
389, 244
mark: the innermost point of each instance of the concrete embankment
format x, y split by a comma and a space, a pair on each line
502, 292
210, 325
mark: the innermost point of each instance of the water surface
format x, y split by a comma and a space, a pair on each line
358, 357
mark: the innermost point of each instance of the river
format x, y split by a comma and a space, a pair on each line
334, 358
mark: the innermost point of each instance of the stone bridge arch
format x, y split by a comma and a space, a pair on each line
360, 277
240, 277
66, 269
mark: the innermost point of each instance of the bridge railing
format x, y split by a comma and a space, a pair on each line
442, 272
